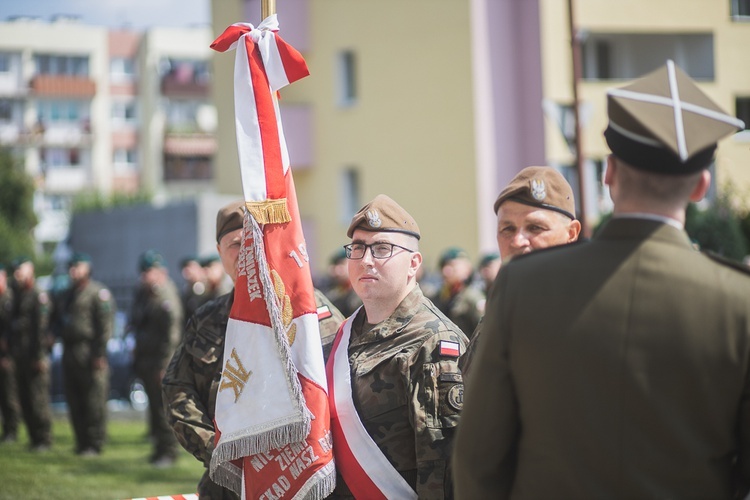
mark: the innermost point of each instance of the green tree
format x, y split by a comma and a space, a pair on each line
717, 228
17, 218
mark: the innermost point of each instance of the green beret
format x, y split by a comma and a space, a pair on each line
338, 256
488, 258
79, 257
664, 123
188, 259
230, 218
452, 254
542, 187
384, 215
150, 259
210, 259
20, 260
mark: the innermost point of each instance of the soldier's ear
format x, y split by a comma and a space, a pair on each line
574, 229
701, 187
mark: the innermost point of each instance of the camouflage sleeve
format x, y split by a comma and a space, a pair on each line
40, 326
437, 398
103, 315
186, 387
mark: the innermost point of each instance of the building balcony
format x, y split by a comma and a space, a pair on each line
65, 179
176, 86
63, 86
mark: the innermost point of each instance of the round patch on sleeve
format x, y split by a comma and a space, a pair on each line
456, 397
104, 295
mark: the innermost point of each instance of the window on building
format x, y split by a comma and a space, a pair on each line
47, 64
125, 158
62, 111
347, 78
121, 69
350, 194
740, 8
6, 110
124, 111
742, 108
61, 157
623, 56
4, 63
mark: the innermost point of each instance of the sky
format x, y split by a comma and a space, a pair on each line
138, 14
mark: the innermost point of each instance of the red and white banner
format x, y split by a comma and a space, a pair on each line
272, 417
367, 472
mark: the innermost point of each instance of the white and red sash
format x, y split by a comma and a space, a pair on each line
367, 472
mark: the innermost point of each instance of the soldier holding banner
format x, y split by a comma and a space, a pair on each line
395, 389
192, 377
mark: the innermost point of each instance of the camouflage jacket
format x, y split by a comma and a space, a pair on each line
408, 391
87, 317
156, 318
192, 377
30, 323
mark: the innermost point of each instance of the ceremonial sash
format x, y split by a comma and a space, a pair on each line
367, 472
272, 419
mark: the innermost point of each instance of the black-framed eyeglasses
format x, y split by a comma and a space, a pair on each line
357, 251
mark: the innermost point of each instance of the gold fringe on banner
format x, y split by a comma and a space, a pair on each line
269, 211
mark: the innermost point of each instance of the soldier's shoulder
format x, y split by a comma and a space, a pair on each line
727, 263
210, 320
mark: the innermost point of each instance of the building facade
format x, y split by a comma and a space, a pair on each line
93, 110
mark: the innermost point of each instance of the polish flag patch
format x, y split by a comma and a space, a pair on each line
324, 312
449, 348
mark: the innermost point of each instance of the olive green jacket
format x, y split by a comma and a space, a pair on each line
617, 368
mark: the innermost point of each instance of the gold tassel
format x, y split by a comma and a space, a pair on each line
269, 211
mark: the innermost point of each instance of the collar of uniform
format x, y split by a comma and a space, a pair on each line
635, 228
394, 323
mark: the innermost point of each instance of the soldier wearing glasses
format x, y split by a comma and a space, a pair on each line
397, 360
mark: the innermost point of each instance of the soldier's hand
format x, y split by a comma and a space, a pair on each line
40, 366
5, 364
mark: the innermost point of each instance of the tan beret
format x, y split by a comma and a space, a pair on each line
664, 123
384, 214
230, 218
542, 187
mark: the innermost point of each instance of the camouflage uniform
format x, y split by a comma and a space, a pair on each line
409, 396
10, 408
87, 318
156, 318
344, 298
29, 348
193, 296
464, 307
192, 380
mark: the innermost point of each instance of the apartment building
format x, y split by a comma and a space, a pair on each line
89, 109
438, 103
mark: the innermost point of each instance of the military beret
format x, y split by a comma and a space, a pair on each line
188, 259
452, 254
488, 258
20, 260
210, 259
384, 214
150, 259
664, 123
2, 266
79, 257
230, 218
338, 256
542, 187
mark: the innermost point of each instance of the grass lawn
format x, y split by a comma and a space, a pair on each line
122, 471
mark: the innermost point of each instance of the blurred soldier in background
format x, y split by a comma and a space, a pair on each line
489, 266
156, 319
192, 378
10, 409
217, 283
29, 346
194, 290
456, 298
339, 289
87, 318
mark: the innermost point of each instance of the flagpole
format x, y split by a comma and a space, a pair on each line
267, 8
